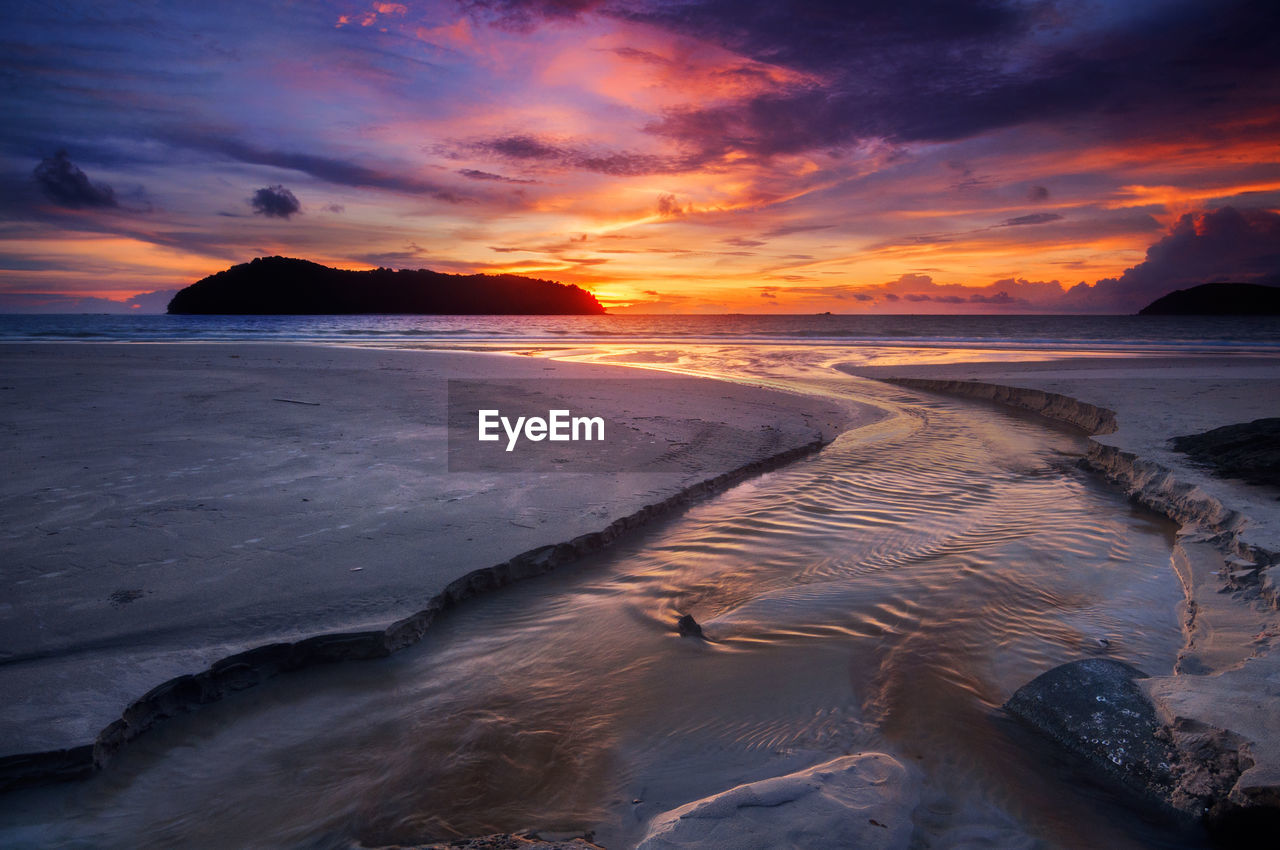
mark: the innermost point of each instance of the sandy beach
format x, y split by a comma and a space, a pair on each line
1222, 705
168, 506
173, 506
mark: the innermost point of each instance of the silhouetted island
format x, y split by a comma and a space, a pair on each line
1218, 299
284, 286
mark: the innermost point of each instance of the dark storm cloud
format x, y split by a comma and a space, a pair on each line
1227, 244
275, 202
942, 70
66, 185
933, 70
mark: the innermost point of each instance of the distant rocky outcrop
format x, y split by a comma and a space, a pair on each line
1218, 299
284, 286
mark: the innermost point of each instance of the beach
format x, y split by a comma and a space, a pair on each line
174, 506
1223, 703
169, 506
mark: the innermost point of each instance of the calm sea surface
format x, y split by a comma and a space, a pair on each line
1071, 333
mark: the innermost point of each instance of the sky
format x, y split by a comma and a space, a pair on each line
890, 156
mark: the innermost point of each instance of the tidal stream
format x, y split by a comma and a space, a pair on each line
887, 594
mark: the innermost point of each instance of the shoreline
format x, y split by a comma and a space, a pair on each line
774, 428
1218, 706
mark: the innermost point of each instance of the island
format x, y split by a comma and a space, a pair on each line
286, 286
1218, 299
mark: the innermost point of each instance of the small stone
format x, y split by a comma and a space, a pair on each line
688, 627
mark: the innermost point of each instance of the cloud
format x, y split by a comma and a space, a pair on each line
275, 202
57, 302
790, 229
542, 151
1033, 218
521, 147
930, 71
923, 294
474, 174
669, 206
1038, 193
1226, 244
151, 302
523, 16
66, 185
328, 169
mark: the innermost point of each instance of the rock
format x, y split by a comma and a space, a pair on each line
1249, 451
863, 801
1094, 708
688, 627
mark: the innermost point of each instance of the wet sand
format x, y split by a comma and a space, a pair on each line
166, 506
1222, 705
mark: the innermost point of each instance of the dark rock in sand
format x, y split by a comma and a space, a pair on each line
1249, 451
688, 627
1094, 708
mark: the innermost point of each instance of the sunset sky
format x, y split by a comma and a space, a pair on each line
706, 156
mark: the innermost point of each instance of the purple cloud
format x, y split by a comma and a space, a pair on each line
1226, 244
66, 185
275, 202
1033, 218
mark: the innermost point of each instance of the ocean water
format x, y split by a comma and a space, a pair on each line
886, 595
1155, 334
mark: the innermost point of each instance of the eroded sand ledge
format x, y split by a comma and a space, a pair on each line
176, 528
1221, 707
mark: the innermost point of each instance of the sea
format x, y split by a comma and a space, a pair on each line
885, 595
1146, 334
